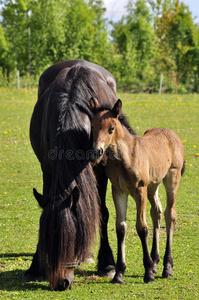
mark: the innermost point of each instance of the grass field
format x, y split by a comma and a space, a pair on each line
19, 212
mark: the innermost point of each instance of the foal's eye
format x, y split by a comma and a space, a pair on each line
110, 131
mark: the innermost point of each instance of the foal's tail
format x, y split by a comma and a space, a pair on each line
183, 168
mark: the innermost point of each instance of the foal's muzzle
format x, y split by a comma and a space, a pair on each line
96, 153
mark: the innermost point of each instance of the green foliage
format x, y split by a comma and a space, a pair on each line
44, 32
135, 39
177, 37
15, 21
154, 37
19, 212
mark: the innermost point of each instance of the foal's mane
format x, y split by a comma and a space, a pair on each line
125, 123
122, 118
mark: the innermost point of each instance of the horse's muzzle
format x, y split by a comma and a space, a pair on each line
66, 283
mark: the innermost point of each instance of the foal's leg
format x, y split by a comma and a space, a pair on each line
106, 263
140, 197
156, 215
120, 201
171, 183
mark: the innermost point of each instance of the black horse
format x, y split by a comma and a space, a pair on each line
73, 199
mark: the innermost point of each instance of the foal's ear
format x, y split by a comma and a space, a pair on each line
117, 108
74, 197
93, 104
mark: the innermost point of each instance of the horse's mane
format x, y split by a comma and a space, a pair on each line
80, 85
70, 168
72, 138
66, 232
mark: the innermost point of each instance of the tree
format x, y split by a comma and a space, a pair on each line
47, 31
175, 30
15, 23
3, 50
135, 32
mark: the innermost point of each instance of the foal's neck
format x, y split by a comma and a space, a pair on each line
123, 139
121, 147
122, 133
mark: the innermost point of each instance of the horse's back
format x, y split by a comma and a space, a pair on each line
50, 74
51, 88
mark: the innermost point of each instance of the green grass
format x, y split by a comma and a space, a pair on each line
19, 212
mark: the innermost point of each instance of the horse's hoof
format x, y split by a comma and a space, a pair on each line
167, 272
28, 276
148, 277
118, 278
109, 272
89, 260
154, 268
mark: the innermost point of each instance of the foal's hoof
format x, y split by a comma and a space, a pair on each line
167, 272
148, 277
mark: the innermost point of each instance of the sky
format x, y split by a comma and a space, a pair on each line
115, 9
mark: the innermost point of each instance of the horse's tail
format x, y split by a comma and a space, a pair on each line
183, 168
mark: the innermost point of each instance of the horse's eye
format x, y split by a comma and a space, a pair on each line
110, 131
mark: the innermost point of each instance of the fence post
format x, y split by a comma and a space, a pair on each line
18, 80
161, 80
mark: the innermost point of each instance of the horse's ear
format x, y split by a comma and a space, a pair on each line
74, 197
117, 108
93, 104
40, 199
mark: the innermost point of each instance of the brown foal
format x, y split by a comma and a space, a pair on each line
136, 165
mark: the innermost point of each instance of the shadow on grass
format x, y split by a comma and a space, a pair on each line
13, 256
14, 281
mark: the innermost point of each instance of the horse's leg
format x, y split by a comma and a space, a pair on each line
140, 197
171, 183
106, 263
120, 201
156, 215
36, 272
